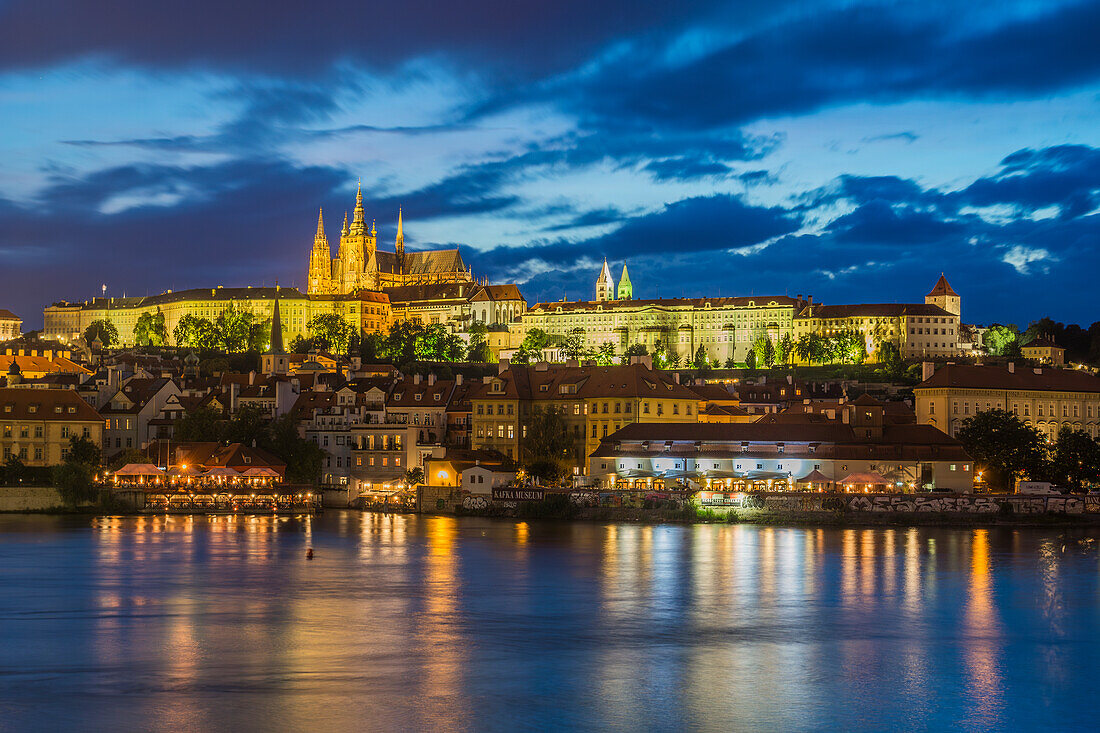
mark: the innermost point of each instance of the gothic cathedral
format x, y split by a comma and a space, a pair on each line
359, 265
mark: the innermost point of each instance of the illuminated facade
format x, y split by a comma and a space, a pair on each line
360, 265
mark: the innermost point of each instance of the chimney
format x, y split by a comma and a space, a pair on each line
572, 363
416, 379
927, 369
790, 379
504, 365
431, 379
1011, 367
542, 366
458, 379
1038, 370
676, 377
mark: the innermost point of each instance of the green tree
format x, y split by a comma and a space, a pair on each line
149, 329
889, 357
701, 362
248, 425
811, 348
634, 350
520, 357
234, 327
414, 476
1004, 446
731, 363
372, 347
534, 342
478, 350
197, 333
998, 339
547, 443
400, 345
1076, 461
572, 346
259, 336
202, 424
605, 355
304, 458
750, 359
84, 451
331, 331
73, 482
784, 350
103, 330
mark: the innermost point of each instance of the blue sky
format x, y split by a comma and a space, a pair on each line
849, 150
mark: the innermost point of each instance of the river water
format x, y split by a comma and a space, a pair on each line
413, 623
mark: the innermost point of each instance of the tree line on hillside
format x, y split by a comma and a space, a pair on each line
1082, 345
1006, 449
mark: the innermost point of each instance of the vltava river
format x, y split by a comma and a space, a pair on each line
414, 623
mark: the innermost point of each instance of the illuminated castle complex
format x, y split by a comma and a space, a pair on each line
360, 265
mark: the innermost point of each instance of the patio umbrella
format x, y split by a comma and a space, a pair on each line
183, 471
260, 471
815, 477
873, 478
139, 469
221, 471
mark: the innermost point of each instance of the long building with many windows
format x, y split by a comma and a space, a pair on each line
1049, 399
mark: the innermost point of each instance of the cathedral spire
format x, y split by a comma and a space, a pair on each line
400, 241
344, 231
358, 222
605, 286
320, 236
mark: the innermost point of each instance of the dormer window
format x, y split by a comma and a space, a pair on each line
57, 409
417, 397
397, 396
32, 409
779, 447
438, 396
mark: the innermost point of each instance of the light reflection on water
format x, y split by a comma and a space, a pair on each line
405, 622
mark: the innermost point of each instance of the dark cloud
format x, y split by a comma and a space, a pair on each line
686, 169
309, 38
1067, 176
857, 53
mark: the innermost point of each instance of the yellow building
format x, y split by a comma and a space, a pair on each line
1049, 399
724, 327
37, 424
594, 402
1044, 351
10, 325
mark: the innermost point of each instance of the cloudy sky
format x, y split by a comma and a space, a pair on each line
852, 150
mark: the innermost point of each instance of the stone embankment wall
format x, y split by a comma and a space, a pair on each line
29, 498
929, 503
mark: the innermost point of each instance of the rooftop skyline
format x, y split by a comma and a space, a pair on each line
849, 150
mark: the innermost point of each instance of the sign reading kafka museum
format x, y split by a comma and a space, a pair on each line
517, 494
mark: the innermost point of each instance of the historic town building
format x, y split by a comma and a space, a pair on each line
863, 454
10, 325
37, 424
1049, 399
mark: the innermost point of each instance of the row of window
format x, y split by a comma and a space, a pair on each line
24, 431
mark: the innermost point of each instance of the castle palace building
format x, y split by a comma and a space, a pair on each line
725, 329
360, 265
370, 290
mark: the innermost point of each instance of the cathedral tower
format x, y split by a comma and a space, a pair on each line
605, 286
320, 262
626, 290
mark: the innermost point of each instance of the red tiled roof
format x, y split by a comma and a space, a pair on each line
942, 287
44, 404
965, 376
